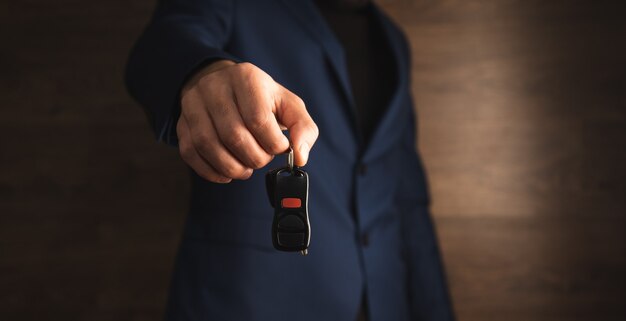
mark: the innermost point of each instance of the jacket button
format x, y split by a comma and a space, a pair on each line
365, 240
361, 169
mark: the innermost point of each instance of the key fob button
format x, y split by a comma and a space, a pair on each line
291, 222
291, 202
291, 239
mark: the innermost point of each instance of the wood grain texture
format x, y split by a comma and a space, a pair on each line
522, 127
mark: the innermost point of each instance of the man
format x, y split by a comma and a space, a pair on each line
220, 79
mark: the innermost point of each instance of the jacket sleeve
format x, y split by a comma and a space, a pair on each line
182, 36
427, 285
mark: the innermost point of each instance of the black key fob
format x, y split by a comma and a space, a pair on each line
288, 191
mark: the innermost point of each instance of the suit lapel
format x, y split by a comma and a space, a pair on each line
387, 130
312, 20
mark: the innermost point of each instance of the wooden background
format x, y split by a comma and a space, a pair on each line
522, 116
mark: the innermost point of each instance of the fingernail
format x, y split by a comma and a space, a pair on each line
224, 180
304, 152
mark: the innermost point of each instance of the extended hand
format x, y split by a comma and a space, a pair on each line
229, 123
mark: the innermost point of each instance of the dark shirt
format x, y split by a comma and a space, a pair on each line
369, 59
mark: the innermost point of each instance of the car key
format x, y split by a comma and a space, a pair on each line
288, 191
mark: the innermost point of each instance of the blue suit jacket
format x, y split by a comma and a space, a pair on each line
227, 268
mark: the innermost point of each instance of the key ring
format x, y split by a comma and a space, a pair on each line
290, 159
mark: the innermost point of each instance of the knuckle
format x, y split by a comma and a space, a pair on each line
206, 151
246, 67
258, 119
185, 99
186, 151
252, 77
201, 140
206, 82
259, 161
276, 147
300, 102
231, 170
236, 139
245, 71
250, 82
222, 109
310, 128
314, 129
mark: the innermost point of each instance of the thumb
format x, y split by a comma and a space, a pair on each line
303, 132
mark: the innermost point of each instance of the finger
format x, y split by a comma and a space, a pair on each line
303, 132
235, 135
189, 154
255, 102
207, 143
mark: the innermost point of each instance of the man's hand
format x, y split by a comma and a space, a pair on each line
229, 123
